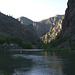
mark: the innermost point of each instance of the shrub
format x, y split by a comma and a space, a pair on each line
58, 41
2, 39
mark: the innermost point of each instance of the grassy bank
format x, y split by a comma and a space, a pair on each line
61, 44
8, 41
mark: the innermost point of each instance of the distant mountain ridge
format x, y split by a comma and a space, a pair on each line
46, 29
25, 20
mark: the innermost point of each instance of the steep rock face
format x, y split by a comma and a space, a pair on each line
53, 32
46, 29
55, 26
25, 21
69, 20
11, 26
67, 35
41, 28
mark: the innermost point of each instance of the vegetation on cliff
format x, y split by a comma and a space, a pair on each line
11, 26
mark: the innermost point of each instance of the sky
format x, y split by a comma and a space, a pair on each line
35, 10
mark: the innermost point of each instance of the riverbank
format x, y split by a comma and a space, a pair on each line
60, 50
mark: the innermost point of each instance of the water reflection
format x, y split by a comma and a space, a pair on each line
42, 64
8, 65
38, 63
55, 63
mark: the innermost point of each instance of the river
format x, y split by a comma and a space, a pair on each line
38, 63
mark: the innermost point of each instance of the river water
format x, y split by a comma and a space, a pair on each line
38, 63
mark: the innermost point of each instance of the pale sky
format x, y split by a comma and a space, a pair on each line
35, 10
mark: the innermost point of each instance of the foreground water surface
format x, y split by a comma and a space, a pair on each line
37, 63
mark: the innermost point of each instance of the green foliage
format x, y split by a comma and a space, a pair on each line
12, 39
26, 45
56, 45
2, 39
58, 41
72, 44
40, 45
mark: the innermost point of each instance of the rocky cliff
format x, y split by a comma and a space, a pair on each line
11, 26
41, 28
69, 20
66, 39
51, 27
68, 28
45, 26
53, 32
